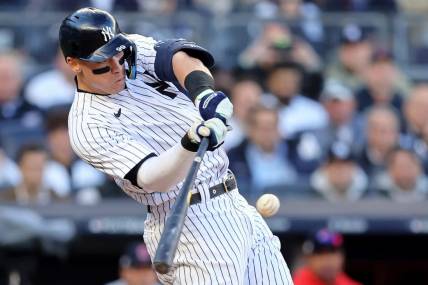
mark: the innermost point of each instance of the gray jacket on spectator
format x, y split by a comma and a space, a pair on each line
358, 187
389, 188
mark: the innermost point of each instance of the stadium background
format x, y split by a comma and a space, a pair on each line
370, 53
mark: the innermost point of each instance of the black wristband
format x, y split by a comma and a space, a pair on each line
188, 144
196, 82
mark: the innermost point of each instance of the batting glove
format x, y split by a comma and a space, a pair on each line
214, 104
214, 129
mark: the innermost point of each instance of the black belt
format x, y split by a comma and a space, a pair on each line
216, 190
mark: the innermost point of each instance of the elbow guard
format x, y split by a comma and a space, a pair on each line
165, 50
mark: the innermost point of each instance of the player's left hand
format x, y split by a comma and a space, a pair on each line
214, 104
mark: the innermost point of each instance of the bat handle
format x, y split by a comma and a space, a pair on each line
202, 148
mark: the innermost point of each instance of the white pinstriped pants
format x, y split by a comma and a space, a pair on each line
224, 241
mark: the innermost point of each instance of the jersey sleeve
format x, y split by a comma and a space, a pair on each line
146, 53
110, 151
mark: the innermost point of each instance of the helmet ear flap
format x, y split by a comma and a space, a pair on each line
130, 55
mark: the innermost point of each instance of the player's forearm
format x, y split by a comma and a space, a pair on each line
195, 77
183, 65
161, 173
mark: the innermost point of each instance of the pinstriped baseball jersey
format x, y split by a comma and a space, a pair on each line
115, 132
224, 240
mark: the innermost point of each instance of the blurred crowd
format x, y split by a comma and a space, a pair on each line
285, 7
347, 128
345, 123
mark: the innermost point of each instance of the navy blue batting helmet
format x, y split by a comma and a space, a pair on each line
91, 34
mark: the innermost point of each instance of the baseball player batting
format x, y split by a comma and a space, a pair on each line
140, 111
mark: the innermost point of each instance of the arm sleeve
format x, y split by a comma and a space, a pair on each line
160, 174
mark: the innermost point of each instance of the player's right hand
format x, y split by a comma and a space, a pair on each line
214, 129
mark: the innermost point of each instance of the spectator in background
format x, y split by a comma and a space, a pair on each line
344, 124
404, 180
53, 87
264, 159
415, 110
304, 18
20, 121
277, 44
135, 267
340, 178
245, 94
415, 134
291, 9
421, 148
12, 106
262, 52
305, 21
9, 172
32, 160
297, 113
64, 172
382, 83
324, 261
352, 58
382, 136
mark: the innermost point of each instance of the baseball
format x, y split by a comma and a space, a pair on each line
268, 205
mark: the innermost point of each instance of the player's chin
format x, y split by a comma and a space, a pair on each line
119, 85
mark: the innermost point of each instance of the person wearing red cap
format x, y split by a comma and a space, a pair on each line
324, 258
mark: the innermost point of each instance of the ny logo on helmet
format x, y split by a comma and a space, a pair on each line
107, 33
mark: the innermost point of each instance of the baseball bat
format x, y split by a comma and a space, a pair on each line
174, 224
